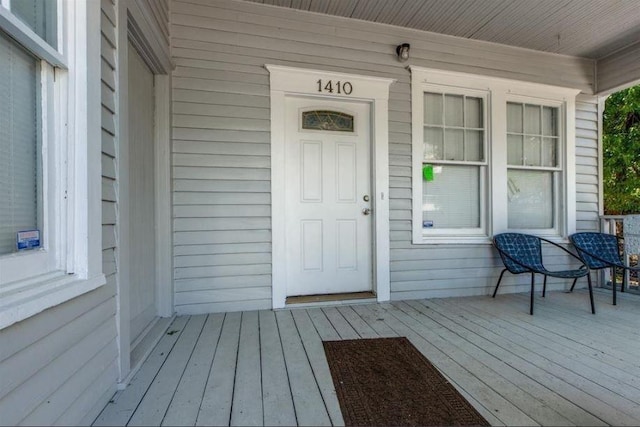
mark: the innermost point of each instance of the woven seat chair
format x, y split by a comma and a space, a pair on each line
522, 253
601, 250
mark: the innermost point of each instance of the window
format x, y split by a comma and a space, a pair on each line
490, 155
20, 148
534, 170
453, 163
49, 173
327, 121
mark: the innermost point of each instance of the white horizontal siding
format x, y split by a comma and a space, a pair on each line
221, 137
587, 201
60, 363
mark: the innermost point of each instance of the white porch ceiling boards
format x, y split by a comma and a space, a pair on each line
585, 28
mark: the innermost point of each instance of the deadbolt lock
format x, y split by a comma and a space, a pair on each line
366, 198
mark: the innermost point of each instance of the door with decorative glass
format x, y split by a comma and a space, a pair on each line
328, 197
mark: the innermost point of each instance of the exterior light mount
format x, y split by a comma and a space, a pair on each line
402, 50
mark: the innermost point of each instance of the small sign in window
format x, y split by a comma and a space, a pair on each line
28, 239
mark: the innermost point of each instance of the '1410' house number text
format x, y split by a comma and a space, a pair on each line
331, 86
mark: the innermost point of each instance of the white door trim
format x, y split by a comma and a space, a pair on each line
289, 81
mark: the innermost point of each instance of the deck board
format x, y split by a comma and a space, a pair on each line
247, 393
562, 366
315, 353
156, 400
215, 408
276, 394
307, 399
124, 404
184, 408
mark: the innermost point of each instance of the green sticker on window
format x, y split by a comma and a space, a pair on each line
427, 172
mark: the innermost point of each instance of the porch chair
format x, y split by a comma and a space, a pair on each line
522, 253
602, 250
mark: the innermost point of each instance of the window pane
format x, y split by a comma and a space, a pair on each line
532, 119
514, 150
514, 117
18, 143
532, 151
432, 108
473, 113
549, 150
454, 110
531, 199
433, 143
40, 16
334, 121
473, 150
453, 144
452, 198
550, 121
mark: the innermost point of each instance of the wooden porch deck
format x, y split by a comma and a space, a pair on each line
562, 366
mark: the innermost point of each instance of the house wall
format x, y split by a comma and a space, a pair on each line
221, 134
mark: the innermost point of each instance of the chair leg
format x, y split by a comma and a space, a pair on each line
574, 284
544, 286
614, 285
593, 307
495, 291
533, 282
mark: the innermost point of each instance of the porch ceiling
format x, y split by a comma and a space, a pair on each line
586, 28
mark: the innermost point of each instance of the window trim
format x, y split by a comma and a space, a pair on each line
499, 90
559, 175
483, 166
73, 177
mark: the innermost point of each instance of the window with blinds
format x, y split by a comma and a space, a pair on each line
454, 162
20, 153
533, 165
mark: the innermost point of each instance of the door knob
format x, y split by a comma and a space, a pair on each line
366, 211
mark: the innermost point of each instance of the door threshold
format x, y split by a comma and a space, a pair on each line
331, 298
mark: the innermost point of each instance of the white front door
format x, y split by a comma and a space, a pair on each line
328, 196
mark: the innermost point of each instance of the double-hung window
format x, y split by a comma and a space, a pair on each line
49, 60
490, 155
454, 162
534, 171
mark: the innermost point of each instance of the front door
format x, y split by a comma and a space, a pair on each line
328, 197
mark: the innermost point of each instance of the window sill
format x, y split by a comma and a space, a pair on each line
453, 240
23, 299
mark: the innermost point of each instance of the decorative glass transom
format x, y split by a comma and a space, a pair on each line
327, 120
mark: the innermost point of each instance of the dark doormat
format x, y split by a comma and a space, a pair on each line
388, 382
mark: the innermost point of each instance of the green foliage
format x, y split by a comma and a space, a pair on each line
621, 152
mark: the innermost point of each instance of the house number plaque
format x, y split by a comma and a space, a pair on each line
331, 86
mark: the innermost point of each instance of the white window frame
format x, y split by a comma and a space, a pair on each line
558, 171
499, 92
483, 165
69, 264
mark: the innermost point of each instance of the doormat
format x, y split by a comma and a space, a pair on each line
387, 381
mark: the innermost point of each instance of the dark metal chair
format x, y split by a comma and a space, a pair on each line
522, 253
601, 250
